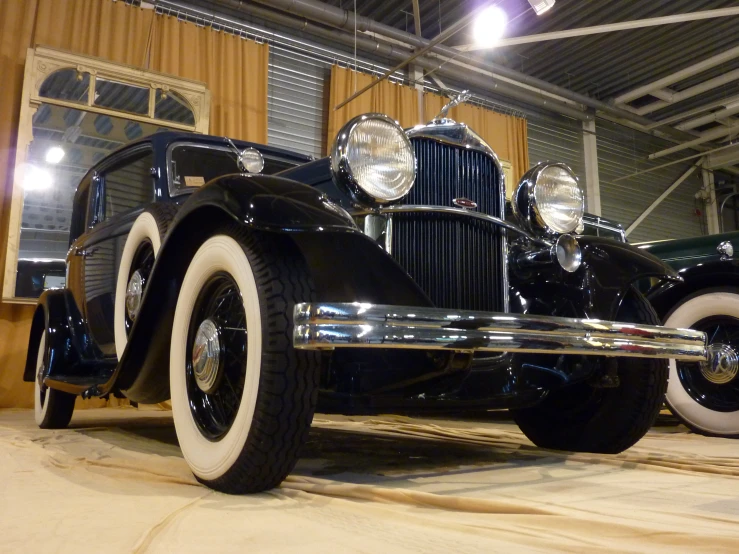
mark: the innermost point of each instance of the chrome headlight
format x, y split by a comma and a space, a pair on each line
549, 198
373, 160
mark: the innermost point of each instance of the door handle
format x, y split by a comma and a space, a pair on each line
84, 252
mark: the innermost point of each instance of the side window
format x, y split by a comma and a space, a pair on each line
80, 211
129, 185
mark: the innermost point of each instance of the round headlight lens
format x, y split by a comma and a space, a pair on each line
558, 199
373, 154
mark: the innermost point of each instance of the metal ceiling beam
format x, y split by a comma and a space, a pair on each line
661, 197
719, 115
724, 102
607, 28
678, 76
476, 78
343, 19
708, 136
717, 160
671, 97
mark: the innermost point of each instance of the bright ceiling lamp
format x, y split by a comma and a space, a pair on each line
54, 155
36, 178
489, 27
541, 6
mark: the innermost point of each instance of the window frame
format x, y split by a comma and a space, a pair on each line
119, 161
41, 62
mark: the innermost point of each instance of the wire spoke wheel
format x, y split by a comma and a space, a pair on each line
704, 388
216, 365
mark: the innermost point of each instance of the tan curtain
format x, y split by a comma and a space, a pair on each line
115, 31
506, 135
16, 31
398, 101
234, 69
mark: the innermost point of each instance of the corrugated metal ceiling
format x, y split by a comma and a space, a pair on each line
603, 65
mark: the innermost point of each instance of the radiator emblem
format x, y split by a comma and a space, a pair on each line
465, 203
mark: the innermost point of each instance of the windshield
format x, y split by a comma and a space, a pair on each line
192, 166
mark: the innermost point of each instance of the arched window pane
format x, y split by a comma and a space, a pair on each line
66, 84
171, 106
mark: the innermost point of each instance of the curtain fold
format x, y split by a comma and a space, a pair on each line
111, 30
398, 101
16, 33
506, 135
234, 69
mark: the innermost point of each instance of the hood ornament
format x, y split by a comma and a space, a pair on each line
456, 101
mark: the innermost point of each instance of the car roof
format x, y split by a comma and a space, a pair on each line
162, 140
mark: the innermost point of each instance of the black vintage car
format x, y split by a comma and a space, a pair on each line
705, 396
252, 286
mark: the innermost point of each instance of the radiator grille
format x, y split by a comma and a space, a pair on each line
456, 261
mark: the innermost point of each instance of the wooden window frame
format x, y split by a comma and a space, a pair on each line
41, 62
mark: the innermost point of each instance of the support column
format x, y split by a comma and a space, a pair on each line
709, 197
592, 182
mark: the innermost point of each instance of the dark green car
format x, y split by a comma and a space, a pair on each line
704, 396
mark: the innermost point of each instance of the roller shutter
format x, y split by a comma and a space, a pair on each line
622, 151
556, 140
296, 101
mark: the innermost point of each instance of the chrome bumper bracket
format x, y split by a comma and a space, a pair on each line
360, 325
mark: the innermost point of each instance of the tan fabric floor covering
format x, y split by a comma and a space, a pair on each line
116, 482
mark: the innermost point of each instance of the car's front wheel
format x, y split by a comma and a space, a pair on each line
587, 418
705, 396
242, 397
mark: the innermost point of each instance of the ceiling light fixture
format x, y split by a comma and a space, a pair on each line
489, 27
36, 179
541, 6
54, 155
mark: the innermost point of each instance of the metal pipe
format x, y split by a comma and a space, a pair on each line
608, 28
710, 118
678, 76
343, 19
395, 52
721, 211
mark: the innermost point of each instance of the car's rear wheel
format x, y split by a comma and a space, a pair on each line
587, 418
52, 408
137, 260
706, 397
242, 396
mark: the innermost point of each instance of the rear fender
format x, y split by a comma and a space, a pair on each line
57, 313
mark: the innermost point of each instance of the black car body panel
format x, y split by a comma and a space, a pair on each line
346, 264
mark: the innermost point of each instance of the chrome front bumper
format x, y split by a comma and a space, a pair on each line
359, 325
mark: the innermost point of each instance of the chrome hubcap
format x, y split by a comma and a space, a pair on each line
206, 356
722, 365
134, 292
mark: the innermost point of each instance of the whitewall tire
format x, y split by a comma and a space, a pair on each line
145, 230
701, 417
52, 408
236, 428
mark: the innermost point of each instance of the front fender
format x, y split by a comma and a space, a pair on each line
612, 267
270, 203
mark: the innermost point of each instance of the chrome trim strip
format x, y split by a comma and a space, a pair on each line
359, 325
411, 208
